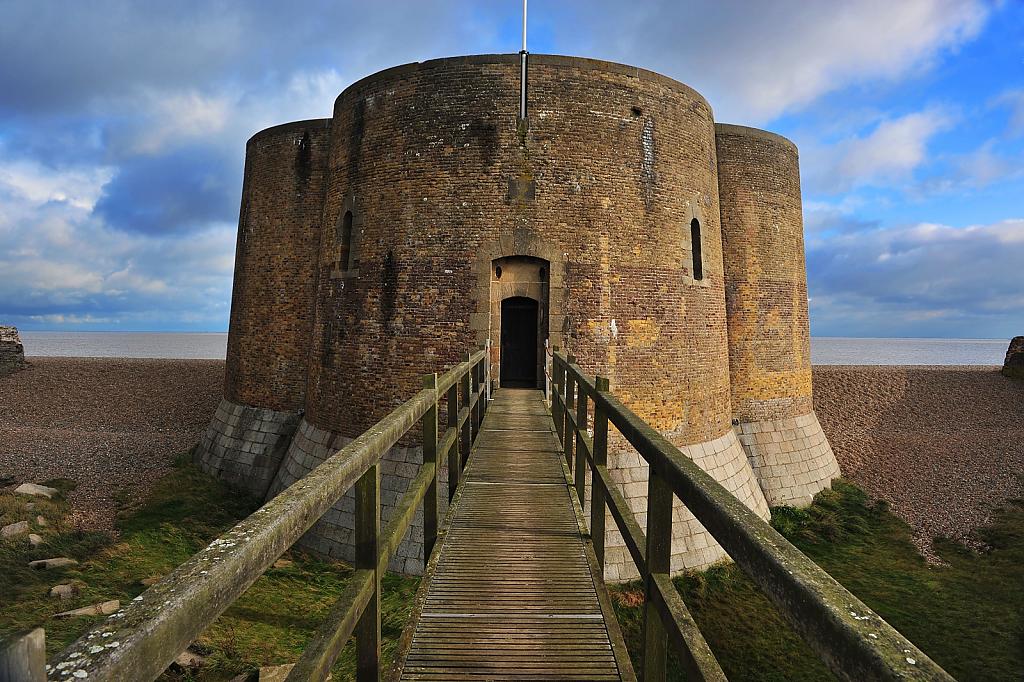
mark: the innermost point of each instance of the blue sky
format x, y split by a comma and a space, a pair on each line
123, 125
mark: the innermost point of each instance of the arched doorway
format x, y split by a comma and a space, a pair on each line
520, 317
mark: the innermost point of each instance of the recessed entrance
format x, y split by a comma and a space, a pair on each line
519, 342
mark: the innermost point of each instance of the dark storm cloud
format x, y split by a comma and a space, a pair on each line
176, 192
122, 128
61, 55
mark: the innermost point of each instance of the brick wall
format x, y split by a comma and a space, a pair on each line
619, 160
766, 279
766, 298
275, 265
440, 181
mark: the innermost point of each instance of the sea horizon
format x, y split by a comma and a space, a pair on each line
825, 350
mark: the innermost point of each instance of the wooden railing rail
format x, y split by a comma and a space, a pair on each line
852, 640
140, 641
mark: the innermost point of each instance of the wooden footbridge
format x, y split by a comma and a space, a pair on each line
514, 593
513, 587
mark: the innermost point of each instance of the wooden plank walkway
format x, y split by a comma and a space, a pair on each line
513, 596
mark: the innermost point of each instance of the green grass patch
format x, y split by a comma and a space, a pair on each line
967, 614
269, 625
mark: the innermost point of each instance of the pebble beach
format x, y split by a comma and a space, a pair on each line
943, 445
114, 426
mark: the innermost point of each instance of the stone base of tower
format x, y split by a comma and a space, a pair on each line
693, 548
791, 458
244, 445
333, 534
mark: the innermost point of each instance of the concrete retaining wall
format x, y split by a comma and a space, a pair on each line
332, 535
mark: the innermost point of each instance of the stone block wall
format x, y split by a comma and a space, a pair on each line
693, 548
333, 535
791, 458
245, 445
12, 353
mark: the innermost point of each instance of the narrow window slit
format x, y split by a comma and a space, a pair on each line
698, 263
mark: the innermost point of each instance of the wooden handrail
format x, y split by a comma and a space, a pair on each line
850, 638
142, 639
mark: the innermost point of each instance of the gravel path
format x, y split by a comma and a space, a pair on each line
111, 425
944, 446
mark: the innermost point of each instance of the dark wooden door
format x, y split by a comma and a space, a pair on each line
519, 342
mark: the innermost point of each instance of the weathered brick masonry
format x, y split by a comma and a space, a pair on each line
271, 304
766, 298
12, 353
423, 184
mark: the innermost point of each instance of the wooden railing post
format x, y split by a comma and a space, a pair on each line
474, 384
467, 427
568, 439
481, 400
487, 371
597, 510
430, 457
557, 395
367, 631
659, 550
453, 451
581, 459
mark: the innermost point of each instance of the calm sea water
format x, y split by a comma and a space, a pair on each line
844, 351
824, 350
126, 344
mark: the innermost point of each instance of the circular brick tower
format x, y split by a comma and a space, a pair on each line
444, 223
271, 305
766, 296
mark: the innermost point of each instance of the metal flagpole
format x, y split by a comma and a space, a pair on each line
523, 56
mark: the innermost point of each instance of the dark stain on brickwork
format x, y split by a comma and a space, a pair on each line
388, 290
485, 133
303, 159
355, 139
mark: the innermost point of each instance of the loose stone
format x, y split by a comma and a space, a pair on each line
64, 591
101, 609
13, 529
36, 490
59, 562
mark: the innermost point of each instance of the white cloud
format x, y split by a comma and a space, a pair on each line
62, 265
166, 119
920, 279
72, 319
889, 153
756, 60
37, 184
